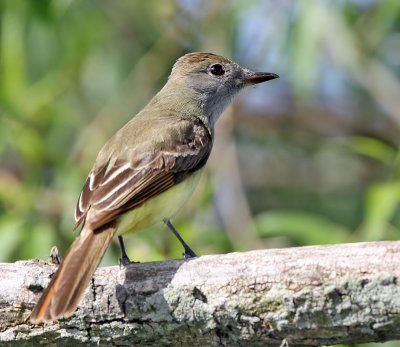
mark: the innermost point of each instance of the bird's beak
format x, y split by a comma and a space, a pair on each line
258, 77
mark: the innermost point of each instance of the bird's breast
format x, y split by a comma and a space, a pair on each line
164, 205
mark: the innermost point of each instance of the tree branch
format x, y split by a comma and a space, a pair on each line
347, 293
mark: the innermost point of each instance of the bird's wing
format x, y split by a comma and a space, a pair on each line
113, 189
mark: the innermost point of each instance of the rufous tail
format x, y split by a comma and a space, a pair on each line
68, 284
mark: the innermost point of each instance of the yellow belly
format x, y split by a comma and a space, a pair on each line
164, 205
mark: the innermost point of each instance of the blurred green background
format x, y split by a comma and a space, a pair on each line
311, 158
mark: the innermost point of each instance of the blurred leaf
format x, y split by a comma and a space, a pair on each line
12, 54
37, 240
303, 227
372, 148
382, 200
383, 20
10, 236
306, 44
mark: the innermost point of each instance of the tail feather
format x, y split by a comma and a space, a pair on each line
68, 284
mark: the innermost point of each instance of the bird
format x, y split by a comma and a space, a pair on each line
146, 171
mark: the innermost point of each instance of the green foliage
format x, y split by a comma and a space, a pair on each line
311, 158
301, 227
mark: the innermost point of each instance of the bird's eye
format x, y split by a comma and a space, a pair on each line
217, 69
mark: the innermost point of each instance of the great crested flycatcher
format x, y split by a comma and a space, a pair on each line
146, 171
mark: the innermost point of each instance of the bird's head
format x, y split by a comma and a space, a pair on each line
214, 80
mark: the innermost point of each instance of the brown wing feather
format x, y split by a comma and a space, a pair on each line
84, 201
115, 188
154, 184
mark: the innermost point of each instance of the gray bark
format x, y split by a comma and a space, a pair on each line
347, 293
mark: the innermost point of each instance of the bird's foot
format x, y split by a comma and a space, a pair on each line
188, 252
124, 261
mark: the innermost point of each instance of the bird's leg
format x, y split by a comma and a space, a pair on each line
188, 253
124, 260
